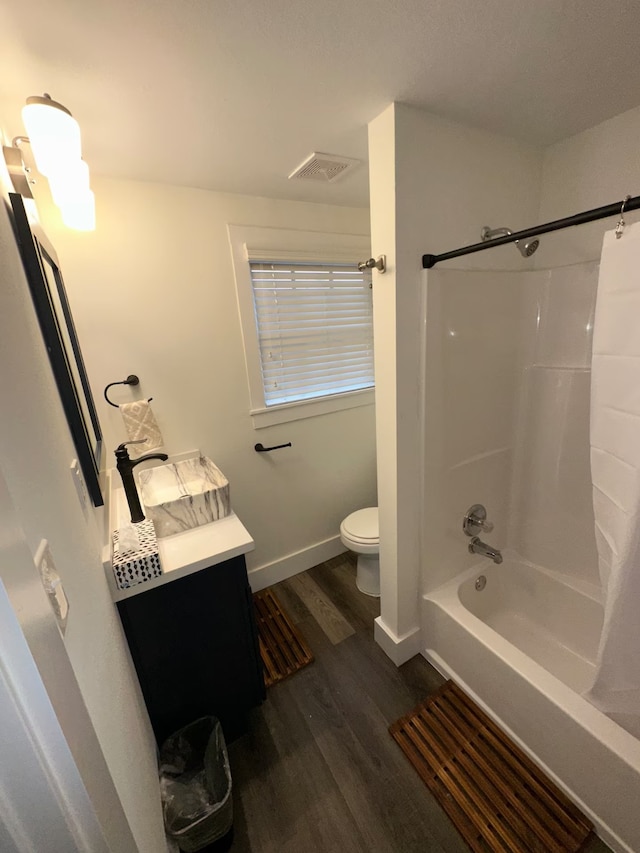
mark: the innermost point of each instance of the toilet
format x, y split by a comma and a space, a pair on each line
359, 533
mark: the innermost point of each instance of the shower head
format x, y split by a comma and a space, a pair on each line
526, 247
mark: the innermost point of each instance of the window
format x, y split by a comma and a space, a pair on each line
306, 315
315, 329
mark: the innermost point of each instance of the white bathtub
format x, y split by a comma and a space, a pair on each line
524, 648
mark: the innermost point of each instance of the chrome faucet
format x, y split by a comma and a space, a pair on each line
125, 466
474, 521
477, 546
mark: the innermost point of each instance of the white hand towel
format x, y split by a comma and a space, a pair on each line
140, 422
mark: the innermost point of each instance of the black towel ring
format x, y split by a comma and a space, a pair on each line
132, 379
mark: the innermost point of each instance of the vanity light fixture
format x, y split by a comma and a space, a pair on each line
18, 172
19, 175
54, 137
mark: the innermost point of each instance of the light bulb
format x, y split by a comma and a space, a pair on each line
79, 213
54, 134
69, 183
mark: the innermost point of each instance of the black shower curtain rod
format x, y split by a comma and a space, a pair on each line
429, 261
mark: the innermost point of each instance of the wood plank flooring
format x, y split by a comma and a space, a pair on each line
318, 772
321, 608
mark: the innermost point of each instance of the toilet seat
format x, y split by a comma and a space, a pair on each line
361, 529
359, 532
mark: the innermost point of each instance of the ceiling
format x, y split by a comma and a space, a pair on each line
233, 94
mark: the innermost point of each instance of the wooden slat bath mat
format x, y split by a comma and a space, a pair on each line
283, 649
495, 796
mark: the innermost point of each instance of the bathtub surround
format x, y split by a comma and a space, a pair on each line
550, 512
536, 485
516, 347
472, 374
615, 467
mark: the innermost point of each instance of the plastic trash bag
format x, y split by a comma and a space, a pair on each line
195, 784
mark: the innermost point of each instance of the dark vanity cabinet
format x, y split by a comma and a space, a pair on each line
194, 644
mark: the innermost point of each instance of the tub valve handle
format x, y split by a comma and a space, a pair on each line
476, 520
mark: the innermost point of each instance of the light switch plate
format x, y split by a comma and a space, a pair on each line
52, 584
78, 481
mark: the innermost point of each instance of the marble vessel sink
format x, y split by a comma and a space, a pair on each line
183, 495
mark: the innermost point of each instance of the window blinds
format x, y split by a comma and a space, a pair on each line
315, 329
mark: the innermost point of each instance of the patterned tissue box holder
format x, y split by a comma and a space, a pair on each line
132, 567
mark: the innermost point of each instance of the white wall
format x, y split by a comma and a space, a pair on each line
35, 454
593, 168
44, 802
153, 293
447, 181
397, 576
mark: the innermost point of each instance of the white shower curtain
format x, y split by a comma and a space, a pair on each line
615, 470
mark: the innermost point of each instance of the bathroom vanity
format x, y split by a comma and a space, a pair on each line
192, 631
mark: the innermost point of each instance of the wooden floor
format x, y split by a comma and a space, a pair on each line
318, 771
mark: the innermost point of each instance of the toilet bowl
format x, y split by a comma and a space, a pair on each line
359, 533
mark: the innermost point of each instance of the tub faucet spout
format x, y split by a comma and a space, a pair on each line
477, 546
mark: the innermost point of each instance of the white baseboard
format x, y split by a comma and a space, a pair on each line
399, 649
293, 564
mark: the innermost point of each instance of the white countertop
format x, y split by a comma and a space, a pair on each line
183, 553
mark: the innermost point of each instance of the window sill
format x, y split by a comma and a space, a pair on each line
311, 408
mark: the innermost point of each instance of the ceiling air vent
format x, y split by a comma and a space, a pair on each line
323, 167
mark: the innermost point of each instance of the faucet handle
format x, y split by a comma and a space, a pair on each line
475, 520
133, 441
